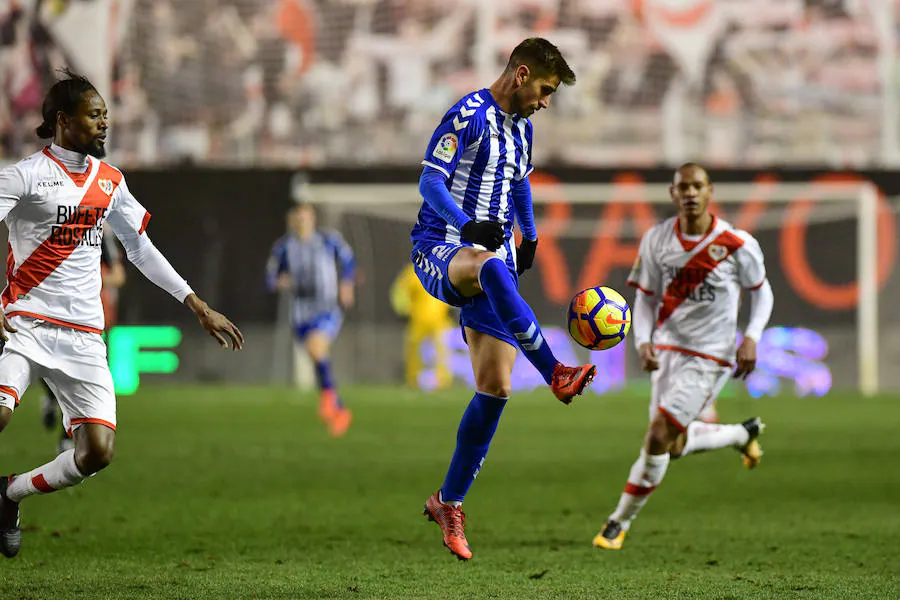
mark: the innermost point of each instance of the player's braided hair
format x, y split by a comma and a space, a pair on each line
542, 57
64, 96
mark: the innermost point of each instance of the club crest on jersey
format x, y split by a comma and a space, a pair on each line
446, 147
717, 252
106, 185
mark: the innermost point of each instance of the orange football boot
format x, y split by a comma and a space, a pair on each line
340, 422
569, 382
452, 521
328, 405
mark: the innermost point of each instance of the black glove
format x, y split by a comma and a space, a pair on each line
484, 233
525, 255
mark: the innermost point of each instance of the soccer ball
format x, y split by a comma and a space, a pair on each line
599, 318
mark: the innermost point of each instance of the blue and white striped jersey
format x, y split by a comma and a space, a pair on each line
316, 265
483, 151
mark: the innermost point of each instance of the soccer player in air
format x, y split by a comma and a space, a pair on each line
112, 277
55, 203
689, 275
475, 184
318, 268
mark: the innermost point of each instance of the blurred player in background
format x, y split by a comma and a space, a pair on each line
112, 276
318, 268
428, 320
689, 275
475, 185
55, 203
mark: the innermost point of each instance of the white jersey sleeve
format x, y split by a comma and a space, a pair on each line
12, 188
126, 215
750, 262
645, 273
129, 221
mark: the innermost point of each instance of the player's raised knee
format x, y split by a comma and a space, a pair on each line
94, 458
661, 435
465, 269
94, 448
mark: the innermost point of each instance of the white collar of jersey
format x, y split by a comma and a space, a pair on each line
72, 160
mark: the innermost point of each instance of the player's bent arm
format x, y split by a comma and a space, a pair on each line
761, 302
643, 318
433, 187
153, 265
521, 196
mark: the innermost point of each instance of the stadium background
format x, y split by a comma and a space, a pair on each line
217, 106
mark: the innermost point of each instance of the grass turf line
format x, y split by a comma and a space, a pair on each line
239, 493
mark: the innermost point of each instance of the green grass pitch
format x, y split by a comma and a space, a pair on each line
239, 493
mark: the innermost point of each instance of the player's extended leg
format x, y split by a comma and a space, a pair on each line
331, 407
474, 271
15, 376
646, 474
10, 533
703, 437
93, 451
492, 361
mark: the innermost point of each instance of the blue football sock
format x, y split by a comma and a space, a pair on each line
515, 314
326, 381
473, 439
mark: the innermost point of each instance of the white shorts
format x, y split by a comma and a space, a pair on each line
72, 362
684, 385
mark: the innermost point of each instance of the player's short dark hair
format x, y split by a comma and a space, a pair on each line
64, 96
542, 57
693, 165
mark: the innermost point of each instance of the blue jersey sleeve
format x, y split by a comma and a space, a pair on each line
277, 264
433, 187
521, 195
462, 126
343, 253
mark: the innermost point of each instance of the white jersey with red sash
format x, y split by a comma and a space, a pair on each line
697, 285
55, 219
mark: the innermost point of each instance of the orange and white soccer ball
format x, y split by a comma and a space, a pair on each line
599, 318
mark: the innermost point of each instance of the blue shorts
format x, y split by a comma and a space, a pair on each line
328, 323
432, 262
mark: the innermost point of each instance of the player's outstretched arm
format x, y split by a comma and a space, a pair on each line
762, 300
215, 323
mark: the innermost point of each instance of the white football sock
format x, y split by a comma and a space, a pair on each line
704, 436
646, 473
60, 473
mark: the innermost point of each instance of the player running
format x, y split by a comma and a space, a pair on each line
305, 262
689, 275
55, 203
475, 180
